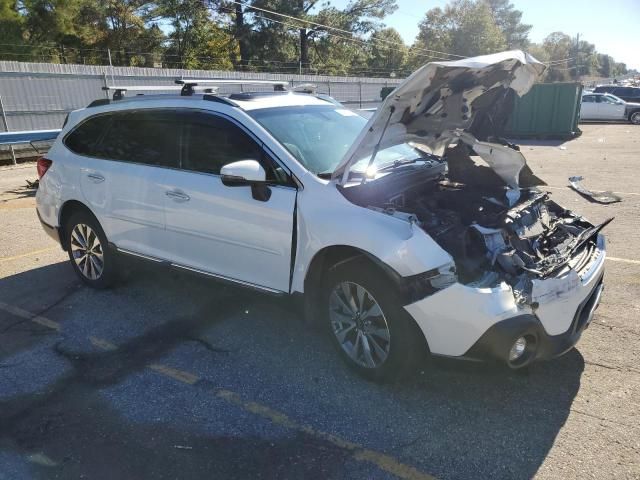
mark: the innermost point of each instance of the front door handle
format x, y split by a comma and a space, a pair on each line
177, 195
95, 177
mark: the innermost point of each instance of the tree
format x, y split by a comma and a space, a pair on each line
558, 46
464, 27
605, 65
388, 51
195, 39
307, 21
477, 32
11, 22
508, 20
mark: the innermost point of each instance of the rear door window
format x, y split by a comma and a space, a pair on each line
151, 137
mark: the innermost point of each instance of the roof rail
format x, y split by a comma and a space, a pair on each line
119, 91
186, 86
189, 83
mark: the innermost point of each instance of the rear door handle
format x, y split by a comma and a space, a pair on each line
177, 195
95, 177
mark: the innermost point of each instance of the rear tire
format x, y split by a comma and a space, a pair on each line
369, 327
89, 252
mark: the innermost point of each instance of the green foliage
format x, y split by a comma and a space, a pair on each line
388, 52
508, 20
572, 59
11, 30
464, 27
309, 36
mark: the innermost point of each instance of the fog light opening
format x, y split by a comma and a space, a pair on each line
522, 351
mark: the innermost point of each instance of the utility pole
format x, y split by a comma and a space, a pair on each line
575, 59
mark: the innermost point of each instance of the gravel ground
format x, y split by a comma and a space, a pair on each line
172, 376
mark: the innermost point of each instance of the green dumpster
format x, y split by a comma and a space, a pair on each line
548, 110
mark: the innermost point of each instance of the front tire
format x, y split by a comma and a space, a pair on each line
634, 117
89, 251
370, 329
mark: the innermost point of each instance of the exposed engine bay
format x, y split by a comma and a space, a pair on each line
491, 238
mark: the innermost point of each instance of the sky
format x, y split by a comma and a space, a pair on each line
612, 25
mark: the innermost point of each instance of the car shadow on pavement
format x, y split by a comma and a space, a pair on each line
452, 420
544, 142
22, 192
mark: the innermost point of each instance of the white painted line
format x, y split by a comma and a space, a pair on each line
542, 187
623, 260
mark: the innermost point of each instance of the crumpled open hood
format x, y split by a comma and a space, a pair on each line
439, 103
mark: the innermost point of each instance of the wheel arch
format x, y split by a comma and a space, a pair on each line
329, 257
632, 112
69, 208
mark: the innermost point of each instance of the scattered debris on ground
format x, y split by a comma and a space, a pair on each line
599, 197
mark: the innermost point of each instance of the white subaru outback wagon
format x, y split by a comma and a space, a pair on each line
415, 232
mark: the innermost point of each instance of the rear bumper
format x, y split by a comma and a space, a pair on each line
53, 232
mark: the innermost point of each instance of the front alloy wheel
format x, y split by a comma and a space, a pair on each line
87, 251
635, 118
367, 323
359, 325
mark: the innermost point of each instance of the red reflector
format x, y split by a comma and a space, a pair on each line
43, 165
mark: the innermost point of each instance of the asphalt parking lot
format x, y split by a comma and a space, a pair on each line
171, 376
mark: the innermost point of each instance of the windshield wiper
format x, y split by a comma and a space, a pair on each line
399, 163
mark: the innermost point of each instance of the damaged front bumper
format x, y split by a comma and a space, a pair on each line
483, 323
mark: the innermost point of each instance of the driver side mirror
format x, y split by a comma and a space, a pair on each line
247, 173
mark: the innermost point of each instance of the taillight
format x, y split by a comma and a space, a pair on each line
43, 166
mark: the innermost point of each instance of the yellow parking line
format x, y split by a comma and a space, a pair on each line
102, 344
28, 254
381, 460
46, 322
22, 313
179, 375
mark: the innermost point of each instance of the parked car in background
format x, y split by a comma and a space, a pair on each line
628, 94
604, 106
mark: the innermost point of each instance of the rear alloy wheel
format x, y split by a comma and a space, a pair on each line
88, 251
635, 118
371, 330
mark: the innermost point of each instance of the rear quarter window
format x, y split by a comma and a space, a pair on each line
604, 89
150, 136
85, 138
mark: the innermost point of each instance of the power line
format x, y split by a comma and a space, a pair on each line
552, 62
348, 39
309, 22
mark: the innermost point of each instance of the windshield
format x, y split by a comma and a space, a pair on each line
319, 136
609, 98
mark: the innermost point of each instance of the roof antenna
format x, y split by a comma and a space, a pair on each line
377, 147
